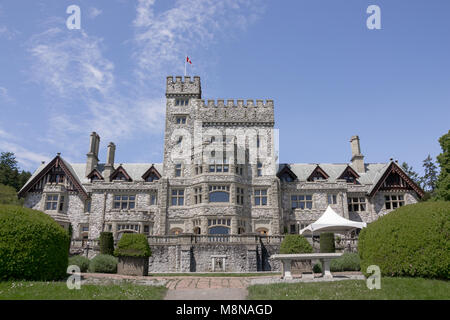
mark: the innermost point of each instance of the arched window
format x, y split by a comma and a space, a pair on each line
262, 231
219, 194
197, 230
176, 231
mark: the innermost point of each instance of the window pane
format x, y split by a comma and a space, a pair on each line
264, 201
131, 206
124, 205
263, 192
388, 205
132, 198
257, 201
308, 197
124, 198
309, 205
181, 201
302, 205
219, 196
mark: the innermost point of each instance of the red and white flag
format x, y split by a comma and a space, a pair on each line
188, 60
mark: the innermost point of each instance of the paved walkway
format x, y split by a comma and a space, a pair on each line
207, 288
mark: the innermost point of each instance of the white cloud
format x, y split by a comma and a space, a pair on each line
27, 159
94, 12
162, 39
5, 96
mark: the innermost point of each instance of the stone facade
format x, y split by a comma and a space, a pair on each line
219, 176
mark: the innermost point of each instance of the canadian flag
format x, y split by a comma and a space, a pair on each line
188, 60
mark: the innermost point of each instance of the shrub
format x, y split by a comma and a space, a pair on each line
327, 242
411, 241
133, 245
80, 261
347, 262
295, 243
32, 245
106, 243
8, 195
103, 263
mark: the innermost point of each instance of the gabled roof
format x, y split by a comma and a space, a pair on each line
349, 170
96, 173
58, 161
286, 170
151, 170
318, 170
121, 170
394, 168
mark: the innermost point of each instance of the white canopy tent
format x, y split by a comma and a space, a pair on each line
330, 221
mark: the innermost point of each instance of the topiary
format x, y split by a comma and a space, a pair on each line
133, 245
32, 245
327, 242
103, 263
106, 243
295, 243
80, 261
413, 240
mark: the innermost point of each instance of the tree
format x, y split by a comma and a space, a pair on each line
9, 171
412, 174
442, 191
430, 175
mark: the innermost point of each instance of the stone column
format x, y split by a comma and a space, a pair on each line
252, 260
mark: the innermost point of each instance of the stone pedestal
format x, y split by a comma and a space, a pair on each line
132, 266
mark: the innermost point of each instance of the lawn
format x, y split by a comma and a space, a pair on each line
26, 290
391, 289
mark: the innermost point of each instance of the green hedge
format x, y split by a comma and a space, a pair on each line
327, 242
106, 243
347, 262
295, 243
413, 240
80, 261
32, 245
133, 245
103, 263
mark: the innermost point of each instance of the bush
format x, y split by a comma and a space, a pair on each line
347, 262
103, 263
133, 245
410, 241
8, 195
80, 261
327, 242
32, 245
106, 243
295, 243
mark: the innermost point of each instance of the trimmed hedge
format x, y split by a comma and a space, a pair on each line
32, 245
295, 243
103, 263
413, 240
106, 243
133, 245
327, 242
80, 261
347, 262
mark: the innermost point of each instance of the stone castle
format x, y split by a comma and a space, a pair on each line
220, 200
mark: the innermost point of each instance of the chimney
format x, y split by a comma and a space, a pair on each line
92, 155
109, 165
357, 157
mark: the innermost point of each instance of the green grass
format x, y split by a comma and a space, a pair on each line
391, 289
214, 274
27, 290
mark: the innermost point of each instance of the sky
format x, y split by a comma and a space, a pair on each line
329, 75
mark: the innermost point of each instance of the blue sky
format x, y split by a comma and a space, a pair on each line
329, 75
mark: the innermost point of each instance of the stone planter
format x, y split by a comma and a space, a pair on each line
132, 266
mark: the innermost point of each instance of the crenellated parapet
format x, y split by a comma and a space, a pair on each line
239, 103
183, 87
240, 110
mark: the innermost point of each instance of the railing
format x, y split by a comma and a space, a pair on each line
212, 238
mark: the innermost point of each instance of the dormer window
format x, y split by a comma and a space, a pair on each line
120, 175
151, 175
349, 175
182, 102
317, 174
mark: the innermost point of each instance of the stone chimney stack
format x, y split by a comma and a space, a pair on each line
357, 157
92, 155
109, 165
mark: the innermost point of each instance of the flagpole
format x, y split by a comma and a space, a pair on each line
185, 59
